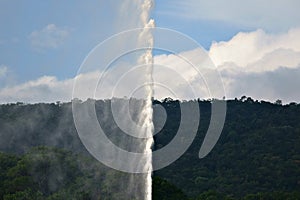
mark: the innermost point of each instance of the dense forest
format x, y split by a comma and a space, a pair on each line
256, 157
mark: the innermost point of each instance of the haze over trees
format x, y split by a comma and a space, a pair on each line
256, 157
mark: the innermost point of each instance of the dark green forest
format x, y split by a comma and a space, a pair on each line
256, 157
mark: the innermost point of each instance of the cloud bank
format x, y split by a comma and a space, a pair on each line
258, 51
261, 65
257, 64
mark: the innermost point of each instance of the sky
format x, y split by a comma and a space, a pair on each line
255, 44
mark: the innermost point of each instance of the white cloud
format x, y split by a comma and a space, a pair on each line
3, 71
119, 81
48, 89
260, 65
256, 64
189, 75
282, 83
276, 15
50, 36
44, 89
258, 51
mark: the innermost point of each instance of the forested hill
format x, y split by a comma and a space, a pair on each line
257, 155
258, 151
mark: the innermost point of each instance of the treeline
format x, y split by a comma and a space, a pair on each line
256, 157
258, 151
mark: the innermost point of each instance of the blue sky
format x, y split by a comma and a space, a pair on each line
52, 38
85, 23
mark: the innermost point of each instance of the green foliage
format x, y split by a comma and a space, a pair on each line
163, 190
258, 151
213, 195
24, 195
256, 157
273, 196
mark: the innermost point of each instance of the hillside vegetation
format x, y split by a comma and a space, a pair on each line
256, 157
